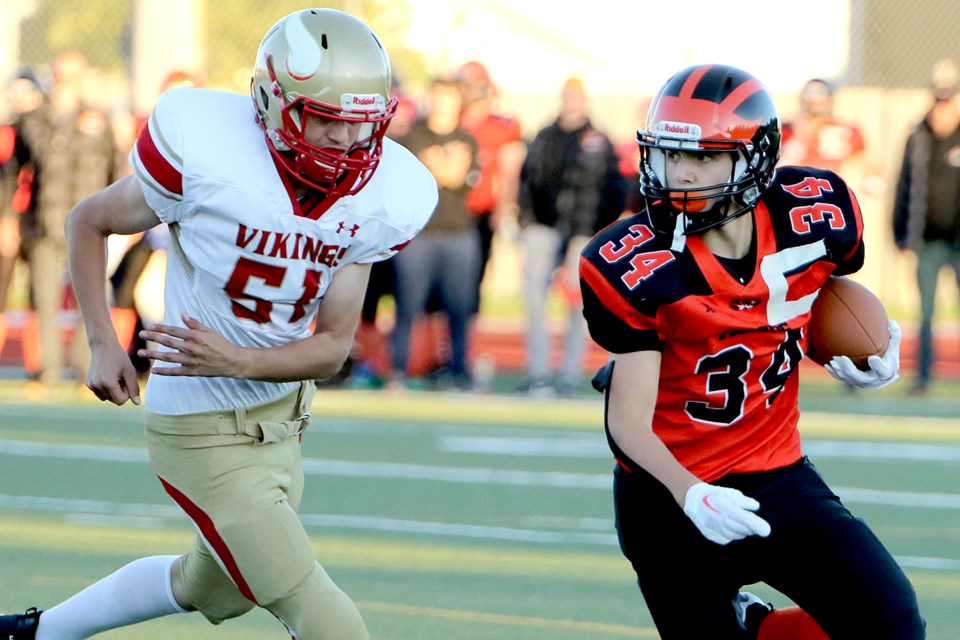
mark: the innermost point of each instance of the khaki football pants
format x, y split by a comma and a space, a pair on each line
237, 475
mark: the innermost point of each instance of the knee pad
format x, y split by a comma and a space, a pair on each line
209, 590
318, 610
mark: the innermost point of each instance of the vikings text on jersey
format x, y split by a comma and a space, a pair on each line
235, 227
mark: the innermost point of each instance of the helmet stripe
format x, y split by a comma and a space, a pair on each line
741, 94
304, 56
690, 84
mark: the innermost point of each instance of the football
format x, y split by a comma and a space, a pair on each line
847, 319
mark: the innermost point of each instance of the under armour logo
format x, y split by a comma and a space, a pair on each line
743, 304
352, 228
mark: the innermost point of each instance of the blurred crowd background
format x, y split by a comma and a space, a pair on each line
880, 63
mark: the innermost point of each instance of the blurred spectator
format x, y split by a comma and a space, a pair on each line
22, 95
570, 188
628, 154
445, 256
406, 113
494, 198
174, 80
137, 254
369, 362
926, 215
628, 161
71, 149
816, 139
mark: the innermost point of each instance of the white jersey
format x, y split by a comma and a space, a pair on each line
243, 258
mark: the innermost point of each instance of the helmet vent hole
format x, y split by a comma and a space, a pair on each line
323, 41
264, 98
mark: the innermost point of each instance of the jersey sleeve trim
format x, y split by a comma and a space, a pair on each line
156, 164
386, 254
858, 215
397, 248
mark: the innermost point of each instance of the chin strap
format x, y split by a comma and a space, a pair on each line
679, 237
715, 216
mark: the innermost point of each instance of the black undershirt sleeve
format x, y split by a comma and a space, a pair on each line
612, 333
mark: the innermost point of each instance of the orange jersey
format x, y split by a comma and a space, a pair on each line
827, 147
491, 134
727, 400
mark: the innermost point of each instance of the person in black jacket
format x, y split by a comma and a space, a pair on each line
926, 215
570, 188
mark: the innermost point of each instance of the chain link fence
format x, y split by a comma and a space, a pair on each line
894, 44
133, 44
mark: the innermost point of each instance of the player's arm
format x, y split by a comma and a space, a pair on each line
322, 354
509, 160
633, 398
118, 209
721, 514
634, 383
337, 320
848, 245
200, 351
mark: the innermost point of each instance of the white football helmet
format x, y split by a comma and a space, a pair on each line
324, 63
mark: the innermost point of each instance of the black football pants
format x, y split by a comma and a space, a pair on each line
818, 555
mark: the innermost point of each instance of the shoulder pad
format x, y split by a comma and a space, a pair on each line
808, 204
401, 195
637, 263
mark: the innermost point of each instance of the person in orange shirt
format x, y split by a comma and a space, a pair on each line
817, 139
494, 197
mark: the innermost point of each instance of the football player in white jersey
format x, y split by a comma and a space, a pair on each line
276, 210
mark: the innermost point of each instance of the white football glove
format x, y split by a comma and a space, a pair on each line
884, 369
722, 514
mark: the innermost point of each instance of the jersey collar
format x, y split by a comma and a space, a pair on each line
312, 205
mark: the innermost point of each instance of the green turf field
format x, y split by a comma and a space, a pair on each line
450, 516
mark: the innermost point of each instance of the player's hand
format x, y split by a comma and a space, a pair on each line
112, 376
722, 514
883, 370
196, 348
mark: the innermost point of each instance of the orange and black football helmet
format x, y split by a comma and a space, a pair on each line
708, 108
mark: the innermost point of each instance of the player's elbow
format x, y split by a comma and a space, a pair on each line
331, 365
73, 219
80, 223
624, 420
621, 432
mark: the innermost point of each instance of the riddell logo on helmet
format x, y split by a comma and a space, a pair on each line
683, 130
365, 102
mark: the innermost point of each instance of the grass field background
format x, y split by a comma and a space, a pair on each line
453, 516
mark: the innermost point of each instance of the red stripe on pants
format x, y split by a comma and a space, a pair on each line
212, 536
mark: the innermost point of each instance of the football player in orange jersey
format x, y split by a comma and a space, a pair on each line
703, 299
